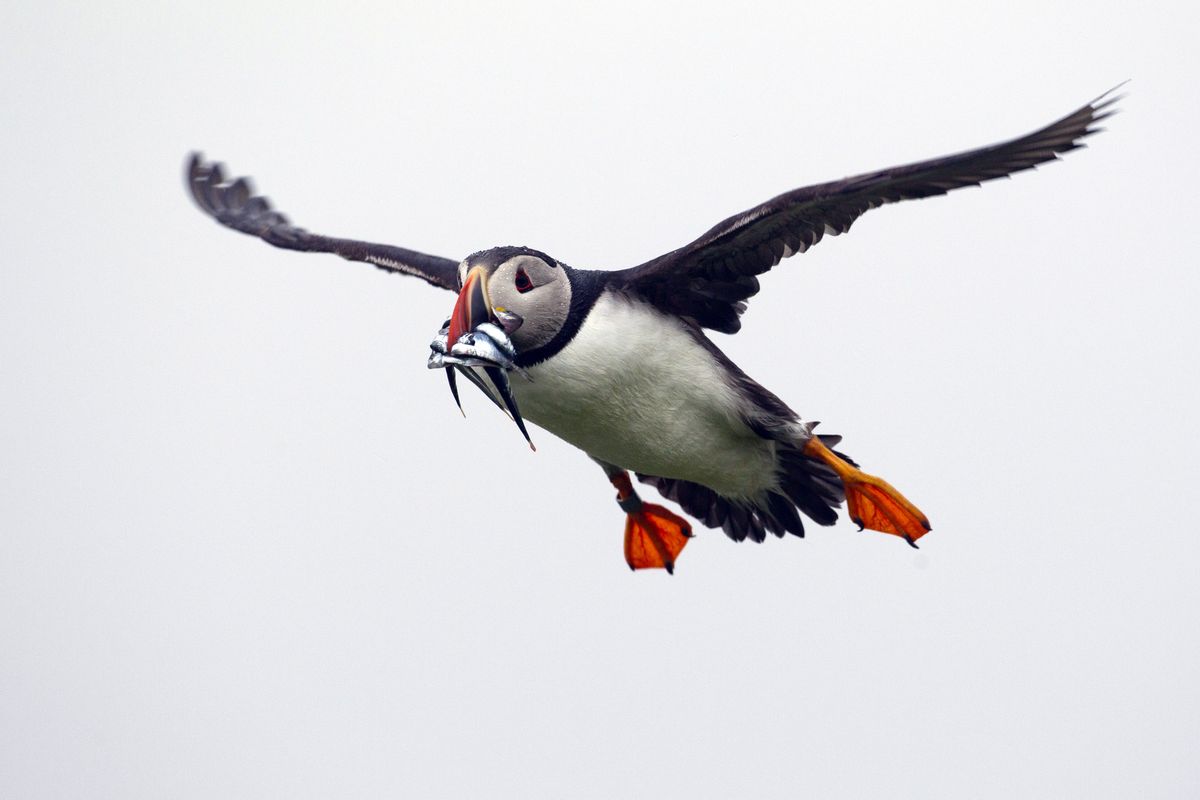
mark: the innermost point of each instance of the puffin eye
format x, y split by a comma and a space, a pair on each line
522, 281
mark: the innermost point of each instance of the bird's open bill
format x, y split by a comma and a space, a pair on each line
473, 309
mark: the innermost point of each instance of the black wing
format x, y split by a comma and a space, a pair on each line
709, 279
234, 205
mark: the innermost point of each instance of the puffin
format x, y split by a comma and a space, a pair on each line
619, 363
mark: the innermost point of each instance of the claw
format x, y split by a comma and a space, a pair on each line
654, 537
872, 502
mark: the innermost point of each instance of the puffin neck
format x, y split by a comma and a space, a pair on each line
586, 285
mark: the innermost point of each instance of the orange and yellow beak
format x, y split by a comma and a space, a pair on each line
473, 307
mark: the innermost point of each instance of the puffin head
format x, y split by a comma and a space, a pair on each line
525, 291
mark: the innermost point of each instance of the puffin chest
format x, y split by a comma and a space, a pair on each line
634, 388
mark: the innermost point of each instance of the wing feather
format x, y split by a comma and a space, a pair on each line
710, 279
235, 205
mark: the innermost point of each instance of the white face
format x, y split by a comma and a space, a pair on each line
536, 291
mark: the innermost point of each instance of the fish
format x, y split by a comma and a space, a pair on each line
486, 348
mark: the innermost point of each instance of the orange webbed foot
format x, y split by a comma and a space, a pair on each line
873, 502
654, 537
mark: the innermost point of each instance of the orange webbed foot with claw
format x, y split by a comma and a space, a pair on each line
872, 502
654, 536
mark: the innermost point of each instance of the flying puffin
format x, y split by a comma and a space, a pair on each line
618, 363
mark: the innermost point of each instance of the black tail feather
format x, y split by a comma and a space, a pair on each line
805, 486
785, 511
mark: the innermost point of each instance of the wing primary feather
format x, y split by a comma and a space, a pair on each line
699, 281
235, 205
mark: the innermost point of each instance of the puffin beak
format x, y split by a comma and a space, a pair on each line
474, 306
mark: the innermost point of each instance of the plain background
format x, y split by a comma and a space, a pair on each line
248, 548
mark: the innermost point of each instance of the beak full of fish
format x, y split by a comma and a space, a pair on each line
484, 355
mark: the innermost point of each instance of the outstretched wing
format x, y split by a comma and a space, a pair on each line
709, 279
234, 205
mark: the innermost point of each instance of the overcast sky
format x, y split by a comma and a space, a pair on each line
240, 555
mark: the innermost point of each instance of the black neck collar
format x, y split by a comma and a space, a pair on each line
586, 285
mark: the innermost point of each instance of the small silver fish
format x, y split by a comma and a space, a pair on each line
499, 338
489, 348
480, 346
440, 355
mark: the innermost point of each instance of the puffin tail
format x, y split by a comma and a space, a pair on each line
810, 484
806, 486
814, 480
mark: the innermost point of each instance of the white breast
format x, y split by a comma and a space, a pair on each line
635, 389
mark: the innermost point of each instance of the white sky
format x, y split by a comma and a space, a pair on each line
246, 551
